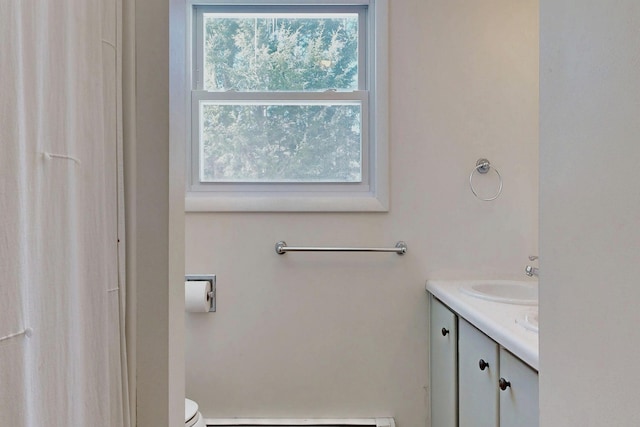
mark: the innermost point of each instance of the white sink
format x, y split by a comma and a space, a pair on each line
504, 291
529, 320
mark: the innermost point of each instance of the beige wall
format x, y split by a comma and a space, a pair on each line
589, 213
337, 335
154, 181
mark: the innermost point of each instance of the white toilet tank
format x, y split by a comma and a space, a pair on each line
192, 417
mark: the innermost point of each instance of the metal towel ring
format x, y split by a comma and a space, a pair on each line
483, 166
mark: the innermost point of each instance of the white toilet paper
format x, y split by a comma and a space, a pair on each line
196, 296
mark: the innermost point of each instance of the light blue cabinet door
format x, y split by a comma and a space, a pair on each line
478, 370
519, 399
443, 355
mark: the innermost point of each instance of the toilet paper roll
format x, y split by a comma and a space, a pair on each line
196, 296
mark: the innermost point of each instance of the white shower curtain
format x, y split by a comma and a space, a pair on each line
62, 359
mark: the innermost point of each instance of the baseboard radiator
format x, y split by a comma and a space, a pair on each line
263, 422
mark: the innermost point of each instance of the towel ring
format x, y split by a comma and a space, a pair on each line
483, 166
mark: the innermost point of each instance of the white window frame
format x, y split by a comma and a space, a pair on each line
370, 195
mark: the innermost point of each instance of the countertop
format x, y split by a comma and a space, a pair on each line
495, 319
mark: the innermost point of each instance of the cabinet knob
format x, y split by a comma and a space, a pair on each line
483, 365
503, 384
445, 331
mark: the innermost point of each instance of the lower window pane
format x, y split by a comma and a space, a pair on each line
269, 142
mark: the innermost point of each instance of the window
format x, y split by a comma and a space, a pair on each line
287, 107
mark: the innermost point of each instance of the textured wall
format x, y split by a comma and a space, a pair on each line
330, 335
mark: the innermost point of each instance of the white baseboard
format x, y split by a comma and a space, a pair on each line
256, 422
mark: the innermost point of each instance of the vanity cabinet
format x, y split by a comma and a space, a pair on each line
478, 365
519, 400
444, 365
474, 381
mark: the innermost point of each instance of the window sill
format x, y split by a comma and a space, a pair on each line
269, 203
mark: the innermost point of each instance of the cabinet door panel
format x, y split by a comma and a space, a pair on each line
519, 402
478, 393
443, 355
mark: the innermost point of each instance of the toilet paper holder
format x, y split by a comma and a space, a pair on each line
211, 278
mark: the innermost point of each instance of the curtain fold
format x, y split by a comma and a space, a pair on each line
62, 355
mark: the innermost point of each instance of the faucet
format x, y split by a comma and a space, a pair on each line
530, 270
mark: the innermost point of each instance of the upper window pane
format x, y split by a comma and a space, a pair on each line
280, 51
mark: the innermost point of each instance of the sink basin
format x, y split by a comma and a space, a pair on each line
508, 292
529, 320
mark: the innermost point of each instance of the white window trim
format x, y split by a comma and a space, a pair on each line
372, 197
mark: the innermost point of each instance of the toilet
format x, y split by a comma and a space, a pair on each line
192, 417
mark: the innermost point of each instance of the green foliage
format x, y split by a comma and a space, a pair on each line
264, 142
272, 54
282, 143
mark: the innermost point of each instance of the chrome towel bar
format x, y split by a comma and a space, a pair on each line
282, 248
